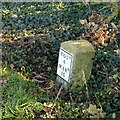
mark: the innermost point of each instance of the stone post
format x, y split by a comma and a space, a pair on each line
75, 63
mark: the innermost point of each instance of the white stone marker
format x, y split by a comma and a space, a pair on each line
75, 62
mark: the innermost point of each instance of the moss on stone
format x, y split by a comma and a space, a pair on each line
83, 52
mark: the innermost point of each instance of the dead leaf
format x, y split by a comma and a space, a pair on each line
92, 109
47, 107
83, 21
95, 112
51, 84
11, 66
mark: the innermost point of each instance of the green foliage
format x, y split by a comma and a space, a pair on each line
18, 101
32, 33
32, 54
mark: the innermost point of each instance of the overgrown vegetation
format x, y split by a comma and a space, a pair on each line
19, 100
31, 36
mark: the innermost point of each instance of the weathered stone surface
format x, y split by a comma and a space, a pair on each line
83, 52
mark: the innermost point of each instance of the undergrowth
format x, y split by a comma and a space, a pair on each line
31, 37
18, 99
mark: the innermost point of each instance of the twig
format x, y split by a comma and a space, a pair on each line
85, 82
98, 102
56, 98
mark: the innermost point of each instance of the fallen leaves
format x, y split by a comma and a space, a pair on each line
96, 30
95, 112
47, 107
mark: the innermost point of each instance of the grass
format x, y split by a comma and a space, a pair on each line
18, 99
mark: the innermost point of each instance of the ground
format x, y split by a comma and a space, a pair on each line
31, 37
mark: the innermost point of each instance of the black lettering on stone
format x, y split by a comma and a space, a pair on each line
64, 61
66, 70
63, 68
69, 57
60, 65
64, 55
63, 74
61, 53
